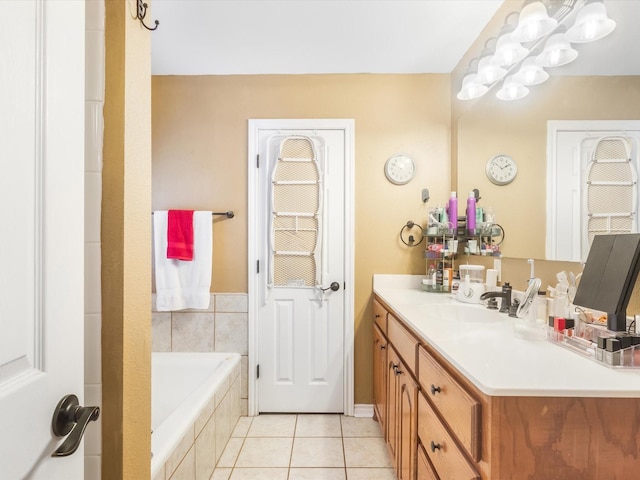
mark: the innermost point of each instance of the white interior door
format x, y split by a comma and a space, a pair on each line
41, 213
300, 328
569, 148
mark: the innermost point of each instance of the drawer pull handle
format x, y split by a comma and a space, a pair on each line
434, 446
435, 389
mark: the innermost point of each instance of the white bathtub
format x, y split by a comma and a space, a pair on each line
187, 390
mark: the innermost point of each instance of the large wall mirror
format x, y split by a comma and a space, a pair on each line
602, 84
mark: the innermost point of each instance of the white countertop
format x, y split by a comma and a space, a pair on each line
483, 346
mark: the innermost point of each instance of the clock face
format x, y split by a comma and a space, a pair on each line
501, 169
399, 169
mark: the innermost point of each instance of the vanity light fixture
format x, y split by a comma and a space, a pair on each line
530, 73
592, 23
508, 51
534, 23
557, 51
471, 88
512, 90
544, 40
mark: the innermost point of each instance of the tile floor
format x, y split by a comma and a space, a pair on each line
305, 447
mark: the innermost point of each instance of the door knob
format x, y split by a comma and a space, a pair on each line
69, 416
334, 287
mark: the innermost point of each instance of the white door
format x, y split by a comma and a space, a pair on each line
41, 242
569, 148
300, 316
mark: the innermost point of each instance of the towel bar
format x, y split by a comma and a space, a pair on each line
228, 214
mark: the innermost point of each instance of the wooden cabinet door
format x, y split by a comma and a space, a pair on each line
380, 378
425, 470
393, 421
408, 423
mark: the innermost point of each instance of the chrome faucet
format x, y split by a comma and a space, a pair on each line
504, 295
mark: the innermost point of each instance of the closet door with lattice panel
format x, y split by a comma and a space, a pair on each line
295, 225
611, 190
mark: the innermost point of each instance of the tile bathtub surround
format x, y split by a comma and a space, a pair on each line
223, 327
197, 453
305, 447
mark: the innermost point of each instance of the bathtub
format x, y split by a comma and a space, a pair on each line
195, 404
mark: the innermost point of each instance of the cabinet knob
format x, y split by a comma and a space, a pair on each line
434, 446
382, 347
434, 389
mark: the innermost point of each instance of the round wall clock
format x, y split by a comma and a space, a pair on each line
399, 169
501, 169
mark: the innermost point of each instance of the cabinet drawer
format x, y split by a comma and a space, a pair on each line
440, 447
404, 343
458, 409
380, 316
425, 470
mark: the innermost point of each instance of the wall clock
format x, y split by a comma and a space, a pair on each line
501, 169
399, 169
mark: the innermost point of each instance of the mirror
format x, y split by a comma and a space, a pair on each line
602, 84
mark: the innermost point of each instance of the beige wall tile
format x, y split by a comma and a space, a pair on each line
187, 468
206, 451
192, 332
231, 333
183, 447
231, 302
161, 331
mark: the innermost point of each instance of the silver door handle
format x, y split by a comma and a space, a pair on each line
334, 287
69, 416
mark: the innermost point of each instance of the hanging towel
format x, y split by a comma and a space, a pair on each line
181, 285
180, 235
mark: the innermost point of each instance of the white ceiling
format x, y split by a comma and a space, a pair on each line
224, 37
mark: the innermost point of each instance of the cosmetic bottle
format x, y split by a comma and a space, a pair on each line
471, 214
453, 209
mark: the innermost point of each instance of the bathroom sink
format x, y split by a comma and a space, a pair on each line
465, 313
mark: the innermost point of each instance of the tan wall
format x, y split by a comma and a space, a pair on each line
126, 248
200, 161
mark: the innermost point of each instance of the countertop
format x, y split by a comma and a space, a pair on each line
483, 346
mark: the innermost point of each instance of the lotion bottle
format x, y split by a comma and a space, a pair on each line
471, 213
453, 210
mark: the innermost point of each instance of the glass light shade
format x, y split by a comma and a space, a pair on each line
489, 73
530, 73
557, 51
508, 51
592, 23
534, 23
471, 89
512, 90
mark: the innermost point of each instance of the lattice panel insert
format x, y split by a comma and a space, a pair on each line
614, 148
294, 270
295, 234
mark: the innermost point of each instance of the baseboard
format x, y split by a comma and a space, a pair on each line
362, 410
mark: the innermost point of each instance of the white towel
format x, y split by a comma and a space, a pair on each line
181, 284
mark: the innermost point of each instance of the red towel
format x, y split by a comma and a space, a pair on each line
180, 234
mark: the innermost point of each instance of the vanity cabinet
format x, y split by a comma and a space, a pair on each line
440, 425
396, 390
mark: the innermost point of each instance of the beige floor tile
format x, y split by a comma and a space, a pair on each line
230, 453
366, 452
318, 426
221, 474
272, 426
371, 474
265, 452
317, 474
317, 452
242, 427
360, 427
259, 474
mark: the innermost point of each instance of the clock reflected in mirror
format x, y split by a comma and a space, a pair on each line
399, 169
501, 169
